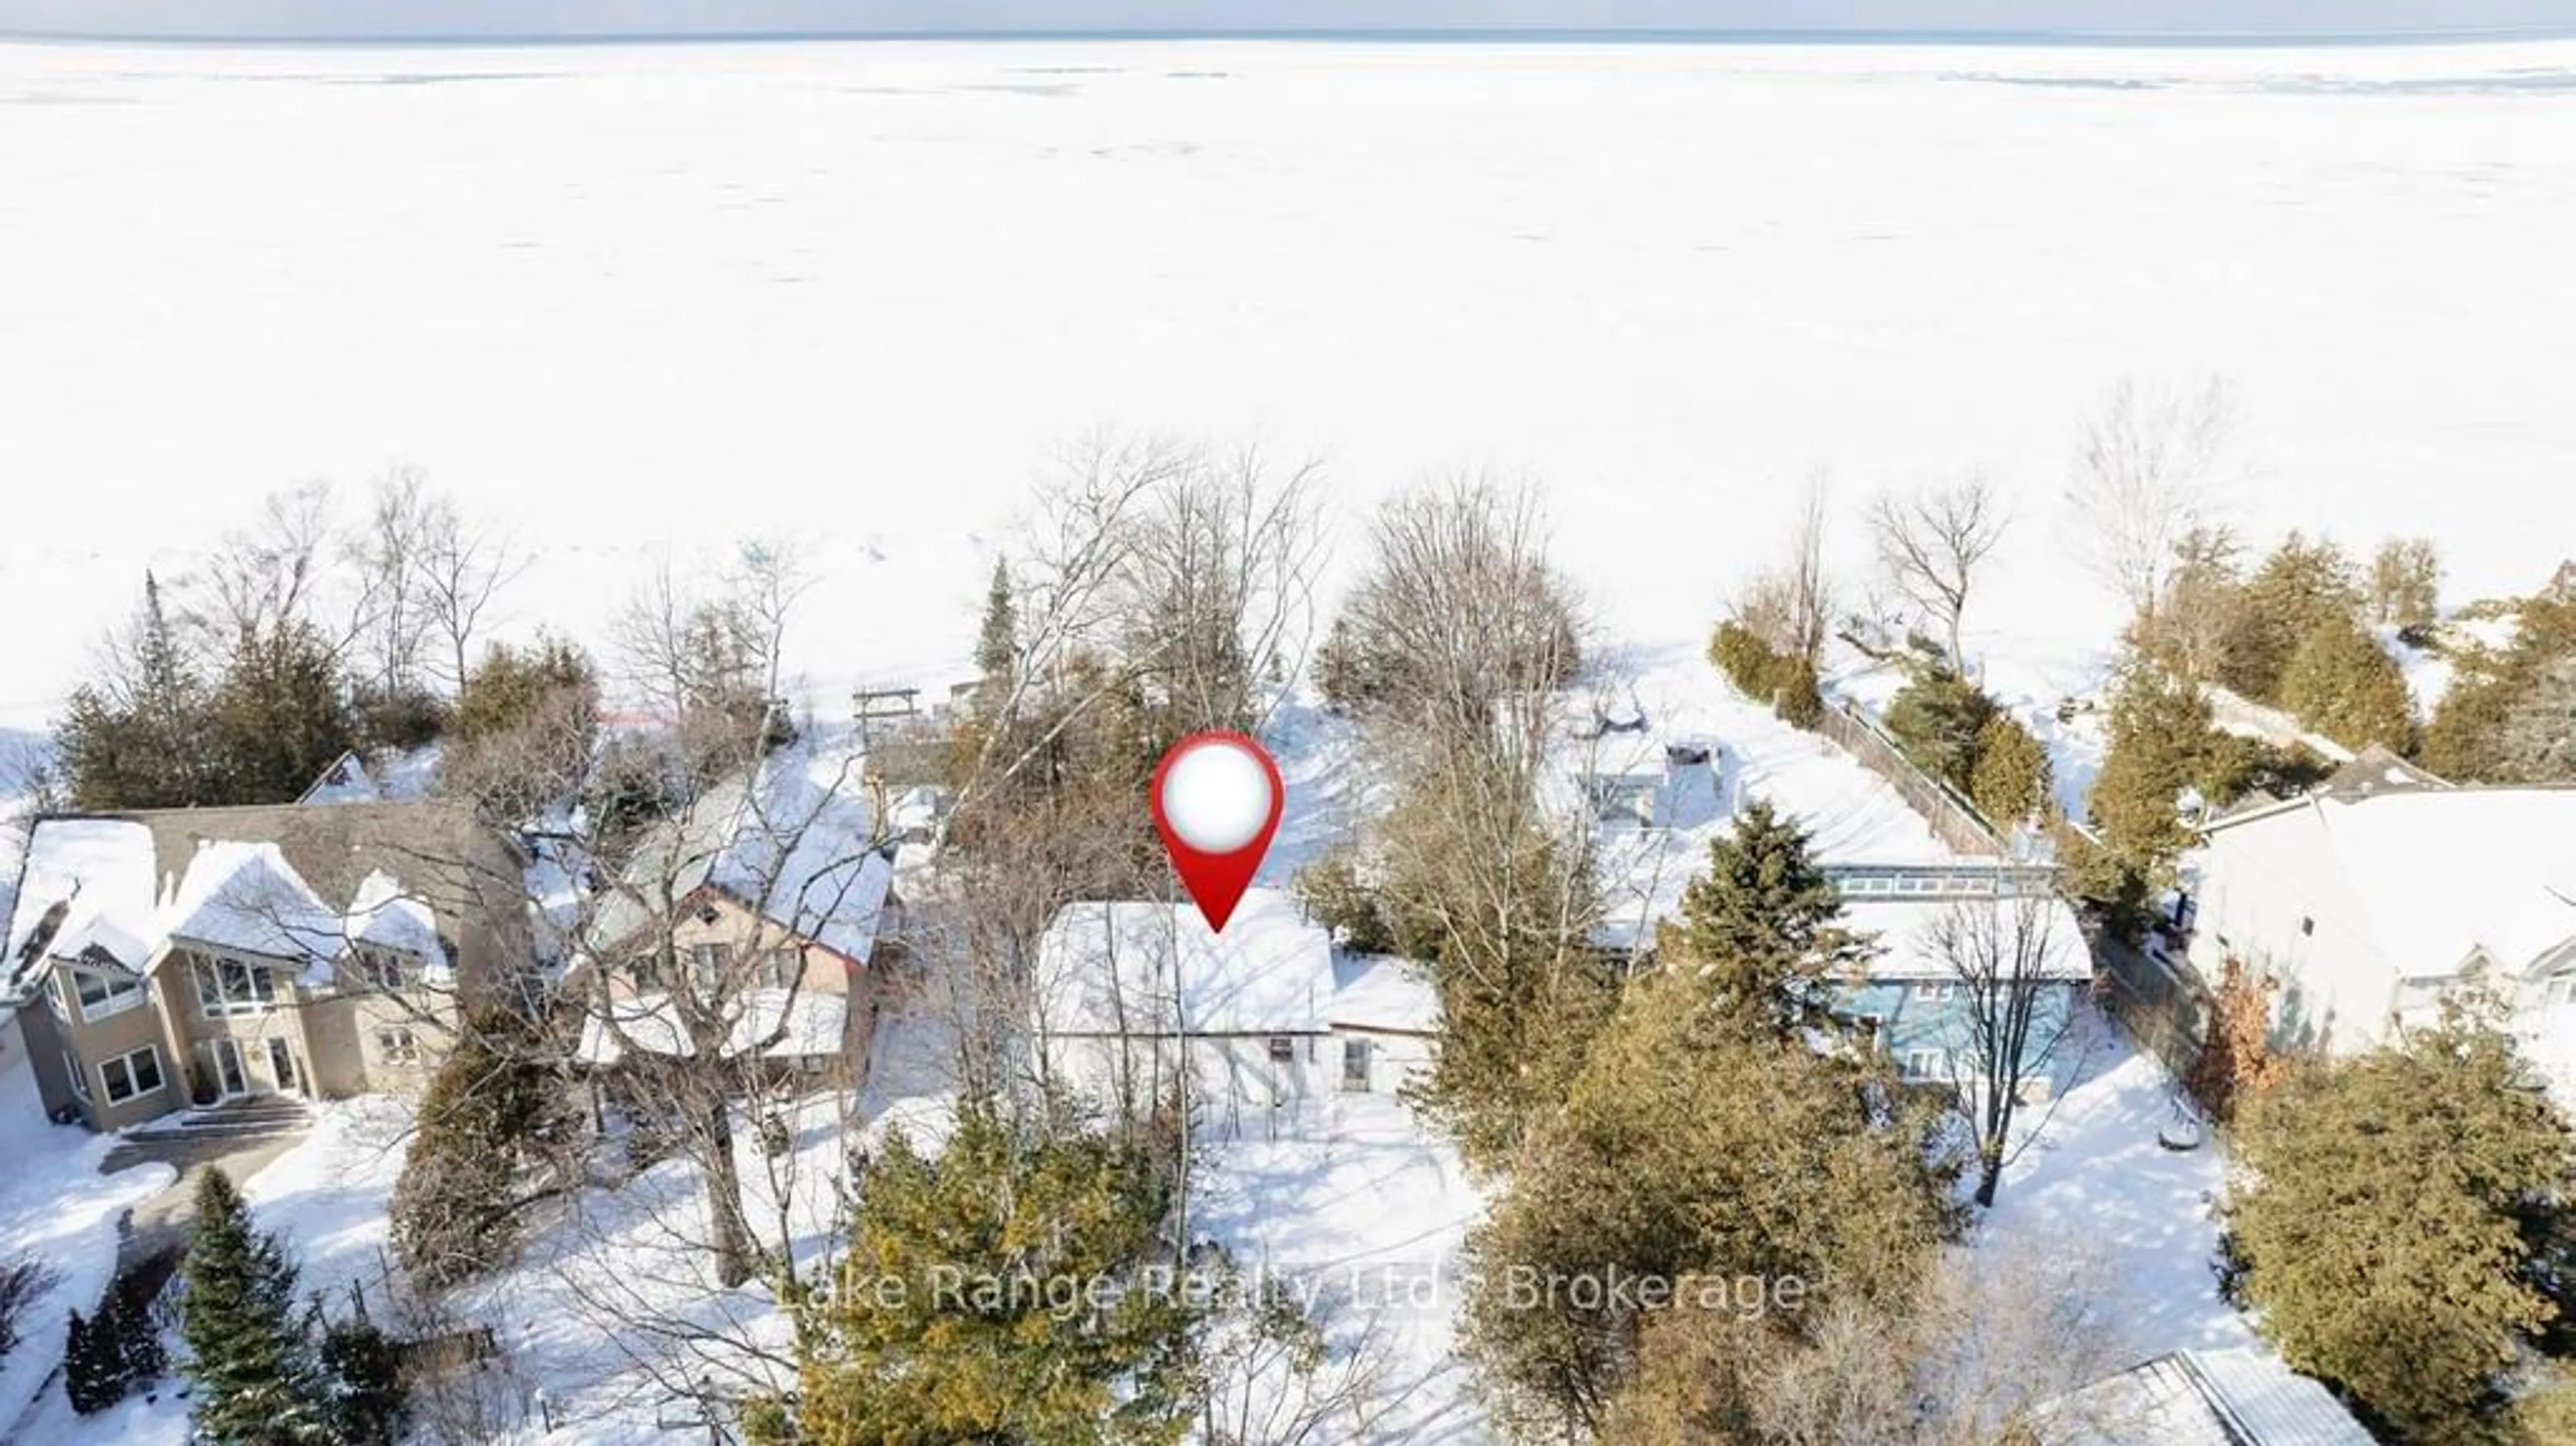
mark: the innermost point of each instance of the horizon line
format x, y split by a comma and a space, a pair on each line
1598, 35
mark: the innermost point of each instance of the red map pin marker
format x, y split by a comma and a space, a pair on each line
1217, 799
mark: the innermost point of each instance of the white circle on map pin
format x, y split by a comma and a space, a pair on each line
1217, 797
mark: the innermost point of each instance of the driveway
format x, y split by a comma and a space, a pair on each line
165, 1220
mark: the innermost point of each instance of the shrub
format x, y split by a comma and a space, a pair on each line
525, 726
23, 1282
1747, 661
1801, 703
2012, 779
1336, 897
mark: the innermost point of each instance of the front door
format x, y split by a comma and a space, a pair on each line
229, 1078
281, 1065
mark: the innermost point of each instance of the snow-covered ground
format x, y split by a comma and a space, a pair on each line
622, 297
58, 1210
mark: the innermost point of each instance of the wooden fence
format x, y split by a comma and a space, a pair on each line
1952, 818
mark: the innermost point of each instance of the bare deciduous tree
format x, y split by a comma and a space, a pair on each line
461, 570
271, 573
2143, 477
1932, 545
2015, 1016
386, 553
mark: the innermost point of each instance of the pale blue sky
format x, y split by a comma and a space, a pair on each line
335, 18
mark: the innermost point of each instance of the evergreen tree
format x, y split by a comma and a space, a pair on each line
1689, 1151
93, 1372
2158, 746
1940, 718
2343, 684
257, 1383
367, 1404
2303, 586
491, 1113
924, 1338
2012, 779
525, 728
2395, 1205
1761, 928
997, 644
2406, 582
281, 715
137, 736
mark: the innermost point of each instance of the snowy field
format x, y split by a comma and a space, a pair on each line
619, 298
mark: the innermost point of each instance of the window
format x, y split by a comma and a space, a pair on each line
1935, 991
1927, 1064
1283, 1050
706, 966
397, 1046
54, 994
103, 994
383, 969
2307, 927
79, 1075
646, 971
1355, 1066
779, 968
225, 986
129, 1075
2559, 989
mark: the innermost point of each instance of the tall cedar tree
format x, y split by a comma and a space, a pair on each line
2157, 749
2343, 684
138, 739
281, 715
2399, 1202
1761, 927
257, 1382
997, 645
1689, 1149
2012, 781
492, 1113
2302, 587
366, 1403
907, 1346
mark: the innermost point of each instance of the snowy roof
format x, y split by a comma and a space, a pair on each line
2429, 875
2239, 1397
246, 896
1380, 991
796, 844
104, 864
1141, 967
94, 887
381, 914
1906, 950
816, 1023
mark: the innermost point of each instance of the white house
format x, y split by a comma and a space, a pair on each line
2366, 903
1134, 998
2238, 1397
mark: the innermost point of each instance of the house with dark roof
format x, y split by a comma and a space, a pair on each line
177, 957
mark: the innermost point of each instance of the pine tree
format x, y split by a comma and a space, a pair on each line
1688, 1151
920, 1342
137, 737
257, 1383
2396, 1204
1761, 928
2159, 731
2343, 684
997, 646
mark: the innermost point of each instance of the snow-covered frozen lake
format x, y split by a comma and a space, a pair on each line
861, 293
